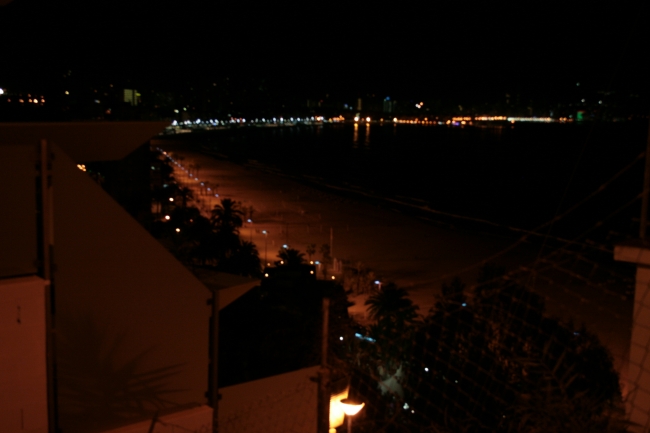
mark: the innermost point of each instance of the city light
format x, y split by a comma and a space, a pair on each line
2, 92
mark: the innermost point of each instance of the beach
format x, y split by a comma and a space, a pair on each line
398, 247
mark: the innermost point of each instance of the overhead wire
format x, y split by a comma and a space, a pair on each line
555, 219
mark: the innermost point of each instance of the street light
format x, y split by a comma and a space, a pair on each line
351, 408
266, 239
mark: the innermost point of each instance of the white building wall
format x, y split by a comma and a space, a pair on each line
23, 382
638, 369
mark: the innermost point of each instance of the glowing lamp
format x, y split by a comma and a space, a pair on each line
351, 407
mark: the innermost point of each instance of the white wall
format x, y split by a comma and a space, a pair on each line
132, 322
198, 419
23, 383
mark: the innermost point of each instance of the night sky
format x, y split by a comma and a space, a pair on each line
403, 50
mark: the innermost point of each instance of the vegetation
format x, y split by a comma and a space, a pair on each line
359, 280
291, 257
485, 360
326, 259
310, 250
197, 240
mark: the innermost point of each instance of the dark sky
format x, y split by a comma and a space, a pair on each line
426, 48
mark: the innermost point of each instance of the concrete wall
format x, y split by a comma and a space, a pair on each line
638, 368
18, 252
23, 396
132, 322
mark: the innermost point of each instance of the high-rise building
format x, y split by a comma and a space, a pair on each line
388, 105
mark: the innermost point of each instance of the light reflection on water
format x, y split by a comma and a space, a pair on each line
497, 173
366, 140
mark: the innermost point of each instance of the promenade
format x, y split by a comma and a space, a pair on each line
415, 254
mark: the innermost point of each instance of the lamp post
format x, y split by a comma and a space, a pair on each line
351, 408
266, 238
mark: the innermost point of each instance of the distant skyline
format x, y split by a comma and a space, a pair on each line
470, 52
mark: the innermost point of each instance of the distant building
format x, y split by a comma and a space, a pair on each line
388, 105
132, 97
359, 104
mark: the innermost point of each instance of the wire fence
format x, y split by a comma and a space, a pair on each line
543, 347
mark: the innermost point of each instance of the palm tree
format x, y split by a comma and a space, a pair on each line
185, 194
391, 304
327, 258
311, 250
227, 216
245, 260
248, 212
291, 257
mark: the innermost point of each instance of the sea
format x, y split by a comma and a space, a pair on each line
486, 176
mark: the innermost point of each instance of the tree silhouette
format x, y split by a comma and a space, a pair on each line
227, 216
243, 260
326, 259
310, 250
291, 257
488, 360
185, 194
391, 304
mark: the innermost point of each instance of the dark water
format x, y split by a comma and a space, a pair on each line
516, 175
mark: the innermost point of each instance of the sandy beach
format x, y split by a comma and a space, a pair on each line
415, 254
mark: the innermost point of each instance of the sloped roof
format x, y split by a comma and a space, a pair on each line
84, 141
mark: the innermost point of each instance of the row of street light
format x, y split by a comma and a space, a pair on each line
349, 406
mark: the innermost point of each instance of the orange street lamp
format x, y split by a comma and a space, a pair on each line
351, 408
266, 243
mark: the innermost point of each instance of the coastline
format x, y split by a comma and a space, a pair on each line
416, 253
